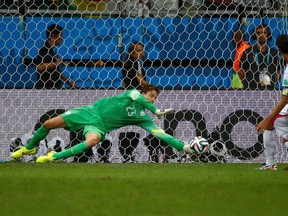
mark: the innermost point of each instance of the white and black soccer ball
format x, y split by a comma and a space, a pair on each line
199, 145
218, 149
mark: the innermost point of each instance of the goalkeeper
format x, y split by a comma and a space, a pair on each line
105, 115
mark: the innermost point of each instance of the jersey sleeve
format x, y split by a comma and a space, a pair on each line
285, 82
135, 95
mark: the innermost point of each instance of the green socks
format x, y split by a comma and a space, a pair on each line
42, 132
39, 135
75, 150
175, 143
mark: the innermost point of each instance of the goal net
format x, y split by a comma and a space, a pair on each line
189, 55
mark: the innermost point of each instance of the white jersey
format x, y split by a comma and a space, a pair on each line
280, 124
284, 111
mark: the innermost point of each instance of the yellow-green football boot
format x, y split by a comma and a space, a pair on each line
23, 151
46, 158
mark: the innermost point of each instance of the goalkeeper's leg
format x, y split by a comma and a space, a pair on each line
91, 140
40, 134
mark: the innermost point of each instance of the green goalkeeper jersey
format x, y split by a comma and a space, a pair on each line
125, 109
111, 113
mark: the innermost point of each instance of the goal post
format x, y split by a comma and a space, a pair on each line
188, 55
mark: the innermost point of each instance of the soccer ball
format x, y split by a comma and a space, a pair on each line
199, 145
218, 149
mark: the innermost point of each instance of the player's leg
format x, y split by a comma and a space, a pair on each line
43, 131
91, 140
281, 126
40, 134
270, 147
269, 150
92, 137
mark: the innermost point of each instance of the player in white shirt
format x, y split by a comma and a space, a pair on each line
278, 118
280, 124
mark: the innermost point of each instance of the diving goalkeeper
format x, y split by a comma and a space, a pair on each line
105, 115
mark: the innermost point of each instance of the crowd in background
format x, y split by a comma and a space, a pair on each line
144, 8
244, 76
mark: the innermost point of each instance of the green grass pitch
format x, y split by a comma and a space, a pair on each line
142, 189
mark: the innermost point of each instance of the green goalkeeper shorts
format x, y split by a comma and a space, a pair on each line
84, 118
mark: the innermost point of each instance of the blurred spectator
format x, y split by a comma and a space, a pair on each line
166, 8
219, 4
48, 63
132, 71
66, 5
219, 8
276, 4
246, 8
51, 4
89, 7
137, 8
156, 8
189, 8
241, 44
43, 4
8, 4
260, 66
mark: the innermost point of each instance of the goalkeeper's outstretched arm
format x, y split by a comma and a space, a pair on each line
170, 140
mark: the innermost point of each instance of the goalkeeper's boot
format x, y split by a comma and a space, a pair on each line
268, 167
46, 158
23, 151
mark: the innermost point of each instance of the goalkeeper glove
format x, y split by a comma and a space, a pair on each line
187, 149
161, 113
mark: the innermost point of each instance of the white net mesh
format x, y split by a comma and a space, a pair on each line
189, 54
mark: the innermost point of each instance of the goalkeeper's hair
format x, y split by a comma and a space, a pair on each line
282, 43
148, 88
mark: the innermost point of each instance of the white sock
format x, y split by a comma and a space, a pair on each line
270, 147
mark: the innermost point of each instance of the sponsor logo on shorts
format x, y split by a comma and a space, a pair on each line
68, 112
